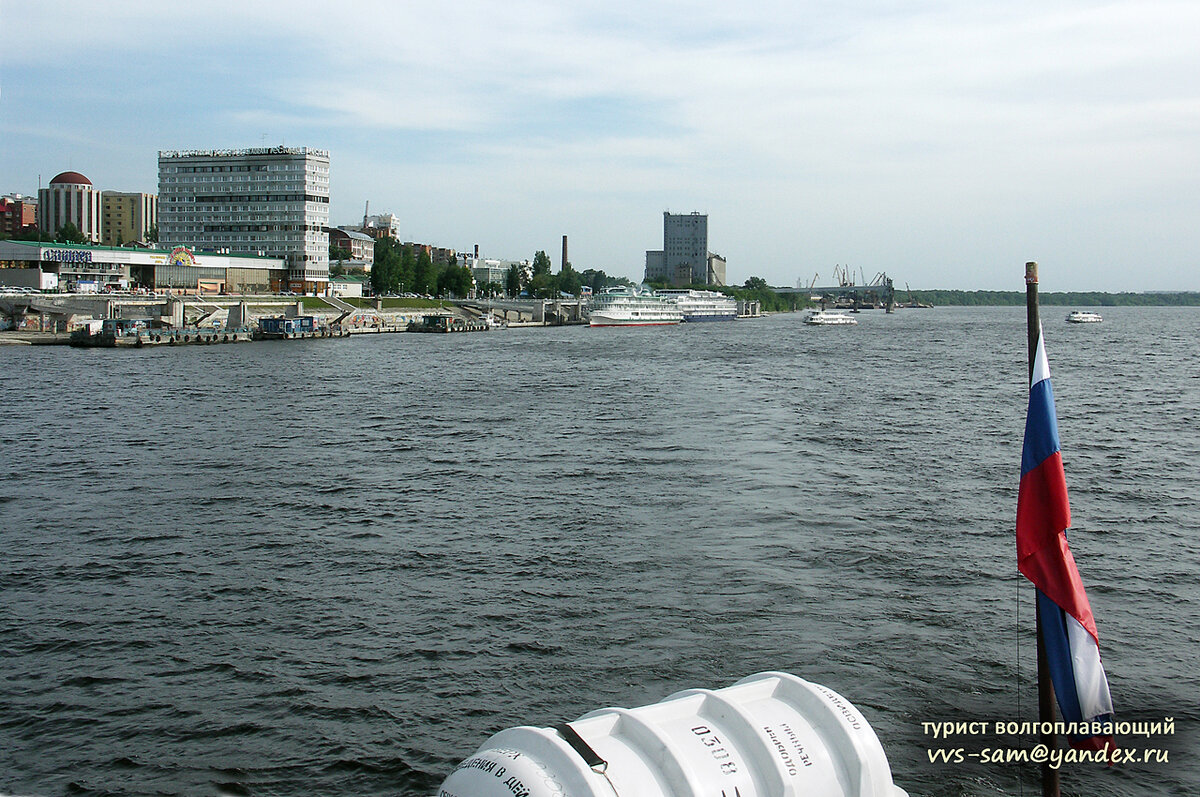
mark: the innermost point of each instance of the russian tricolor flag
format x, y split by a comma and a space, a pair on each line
1043, 514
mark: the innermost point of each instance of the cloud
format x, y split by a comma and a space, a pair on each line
818, 119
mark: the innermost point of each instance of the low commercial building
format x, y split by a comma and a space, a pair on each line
485, 270
360, 246
348, 286
83, 268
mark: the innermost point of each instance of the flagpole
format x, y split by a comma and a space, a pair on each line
1045, 686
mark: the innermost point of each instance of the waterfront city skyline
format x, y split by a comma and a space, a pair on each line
942, 144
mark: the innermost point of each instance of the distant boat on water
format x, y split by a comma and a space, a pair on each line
1083, 317
823, 318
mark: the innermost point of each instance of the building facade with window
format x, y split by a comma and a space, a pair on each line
360, 246
685, 245
16, 213
126, 217
684, 258
84, 268
272, 201
382, 225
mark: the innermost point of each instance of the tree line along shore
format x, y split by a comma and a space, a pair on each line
1064, 298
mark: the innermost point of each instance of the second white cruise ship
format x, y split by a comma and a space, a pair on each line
702, 305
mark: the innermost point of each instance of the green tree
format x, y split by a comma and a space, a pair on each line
30, 232
408, 269
152, 234
541, 285
455, 281
541, 263
598, 280
569, 280
385, 272
424, 276
69, 234
514, 280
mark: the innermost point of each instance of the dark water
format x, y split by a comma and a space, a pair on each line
337, 566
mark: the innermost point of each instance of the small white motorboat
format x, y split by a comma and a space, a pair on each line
823, 318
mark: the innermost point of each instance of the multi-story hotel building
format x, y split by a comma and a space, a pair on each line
126, 217
272, 201
70, 197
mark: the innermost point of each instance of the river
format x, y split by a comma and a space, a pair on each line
337, 566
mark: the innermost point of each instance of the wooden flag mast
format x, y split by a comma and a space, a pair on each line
1045, 685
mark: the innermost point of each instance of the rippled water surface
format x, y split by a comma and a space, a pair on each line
337, 566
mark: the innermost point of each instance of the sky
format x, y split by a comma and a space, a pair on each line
942, 143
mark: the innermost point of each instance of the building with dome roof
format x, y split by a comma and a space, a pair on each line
70, 197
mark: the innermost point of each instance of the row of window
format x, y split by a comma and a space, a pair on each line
248, 216
212, 198
247, 167
284, 180
263, 228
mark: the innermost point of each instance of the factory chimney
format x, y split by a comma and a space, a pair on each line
564, 257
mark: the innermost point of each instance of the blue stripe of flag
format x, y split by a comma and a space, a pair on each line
1058, 656
1041, 427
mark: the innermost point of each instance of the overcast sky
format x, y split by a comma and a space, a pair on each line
944, 143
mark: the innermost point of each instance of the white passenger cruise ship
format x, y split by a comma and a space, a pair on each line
702, 305
627, 307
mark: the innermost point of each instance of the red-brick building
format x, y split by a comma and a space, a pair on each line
16, 212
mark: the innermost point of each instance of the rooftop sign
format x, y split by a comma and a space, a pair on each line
239, 153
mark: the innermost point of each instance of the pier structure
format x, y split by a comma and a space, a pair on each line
173, 315
60, 312
546, 312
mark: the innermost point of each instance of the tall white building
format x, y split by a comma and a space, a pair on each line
271, 200
685, 244
684, 258
70, 197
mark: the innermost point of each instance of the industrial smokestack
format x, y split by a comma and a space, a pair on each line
564, 258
